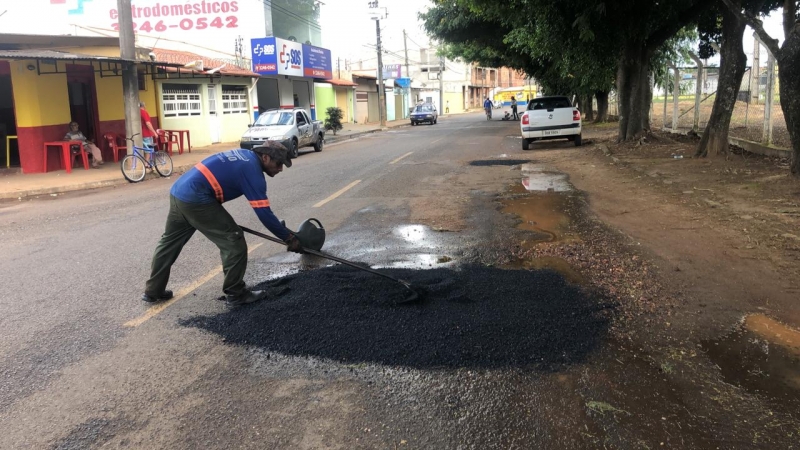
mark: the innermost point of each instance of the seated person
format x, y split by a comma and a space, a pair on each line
74, 134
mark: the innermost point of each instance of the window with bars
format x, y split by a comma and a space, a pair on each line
181, 100
234, 100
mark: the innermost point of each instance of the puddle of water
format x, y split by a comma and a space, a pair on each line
543, 213
554, 263
762, 355
538, 178
412, 233
421, 261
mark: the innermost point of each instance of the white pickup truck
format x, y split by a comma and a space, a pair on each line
291, 127
550, 118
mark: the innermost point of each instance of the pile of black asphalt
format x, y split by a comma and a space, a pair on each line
471, 316
499, 162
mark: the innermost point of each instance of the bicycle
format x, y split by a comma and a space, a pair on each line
134, 167
488, 113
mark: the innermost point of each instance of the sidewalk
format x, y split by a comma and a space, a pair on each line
15, 185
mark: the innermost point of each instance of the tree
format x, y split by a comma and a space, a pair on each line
334, 120
723, 27
495, 35
582, 39
788, 58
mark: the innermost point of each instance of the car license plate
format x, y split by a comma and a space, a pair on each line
551, 132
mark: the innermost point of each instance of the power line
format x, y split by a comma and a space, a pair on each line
290, 13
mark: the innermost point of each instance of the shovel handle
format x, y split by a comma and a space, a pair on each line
330, 257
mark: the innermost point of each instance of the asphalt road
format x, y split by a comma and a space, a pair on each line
84, 363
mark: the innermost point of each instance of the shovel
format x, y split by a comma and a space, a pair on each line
412, 294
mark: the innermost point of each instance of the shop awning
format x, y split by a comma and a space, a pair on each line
339, 82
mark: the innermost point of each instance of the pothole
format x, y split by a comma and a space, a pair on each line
542, 213
762, 355
538, 178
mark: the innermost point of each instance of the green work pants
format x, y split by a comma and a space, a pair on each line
217, 225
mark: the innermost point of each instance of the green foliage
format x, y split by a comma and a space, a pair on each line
334, 120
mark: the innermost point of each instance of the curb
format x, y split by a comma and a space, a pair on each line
362, 133
18, 195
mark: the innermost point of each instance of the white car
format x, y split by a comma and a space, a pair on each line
550, 118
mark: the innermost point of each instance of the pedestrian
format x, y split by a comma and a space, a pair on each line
196, 204
514, 108
75, 134
447, 107
148, 132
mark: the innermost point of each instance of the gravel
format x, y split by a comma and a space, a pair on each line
473, 316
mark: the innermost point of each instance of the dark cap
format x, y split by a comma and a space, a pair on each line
276, 152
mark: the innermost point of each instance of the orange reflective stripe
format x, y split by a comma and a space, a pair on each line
211, 180
259, 203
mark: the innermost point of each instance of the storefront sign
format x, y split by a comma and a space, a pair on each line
172, 24
276, 56
391, 71
317, 62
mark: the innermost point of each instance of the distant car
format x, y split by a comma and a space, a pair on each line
424, 113
291, 127
550, 118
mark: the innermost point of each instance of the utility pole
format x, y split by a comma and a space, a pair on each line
338, 68
375, 14
130, 79
441, 80
405, 50
381, 92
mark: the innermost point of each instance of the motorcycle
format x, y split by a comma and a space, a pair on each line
488, 113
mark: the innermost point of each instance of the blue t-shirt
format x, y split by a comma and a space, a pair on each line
226, 176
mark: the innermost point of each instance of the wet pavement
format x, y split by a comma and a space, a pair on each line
515, 356
538, 327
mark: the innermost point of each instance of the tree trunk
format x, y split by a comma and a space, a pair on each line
588, 111
647, 98
789, 69
633, 79
733, 64
602, 106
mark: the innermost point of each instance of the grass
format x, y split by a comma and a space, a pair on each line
603, 407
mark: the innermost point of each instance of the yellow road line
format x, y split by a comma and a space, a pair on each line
398, 159
337, 193
156, 309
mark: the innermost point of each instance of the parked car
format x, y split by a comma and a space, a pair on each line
291, 127
424, 113
550, 118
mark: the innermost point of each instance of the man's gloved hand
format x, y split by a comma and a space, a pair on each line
293, 244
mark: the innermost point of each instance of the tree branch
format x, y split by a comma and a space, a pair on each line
789, 14
756, 24
661, 35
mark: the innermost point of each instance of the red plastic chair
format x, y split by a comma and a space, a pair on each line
113, 144
79, 153
166, 141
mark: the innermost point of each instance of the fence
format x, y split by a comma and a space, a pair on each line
757, 114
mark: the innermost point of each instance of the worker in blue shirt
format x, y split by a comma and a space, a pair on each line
196, 204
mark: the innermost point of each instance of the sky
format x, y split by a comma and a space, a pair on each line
348, 31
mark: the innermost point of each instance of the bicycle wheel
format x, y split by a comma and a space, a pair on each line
133, 168
163, 163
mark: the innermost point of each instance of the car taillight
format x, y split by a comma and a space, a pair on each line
525, 120
576, 115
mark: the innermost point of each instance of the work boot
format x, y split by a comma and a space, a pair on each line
166, 295
247, 296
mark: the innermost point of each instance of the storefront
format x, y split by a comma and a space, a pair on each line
289, 70
42, 91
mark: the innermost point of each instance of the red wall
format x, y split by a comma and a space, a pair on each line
31, 140
30, 147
